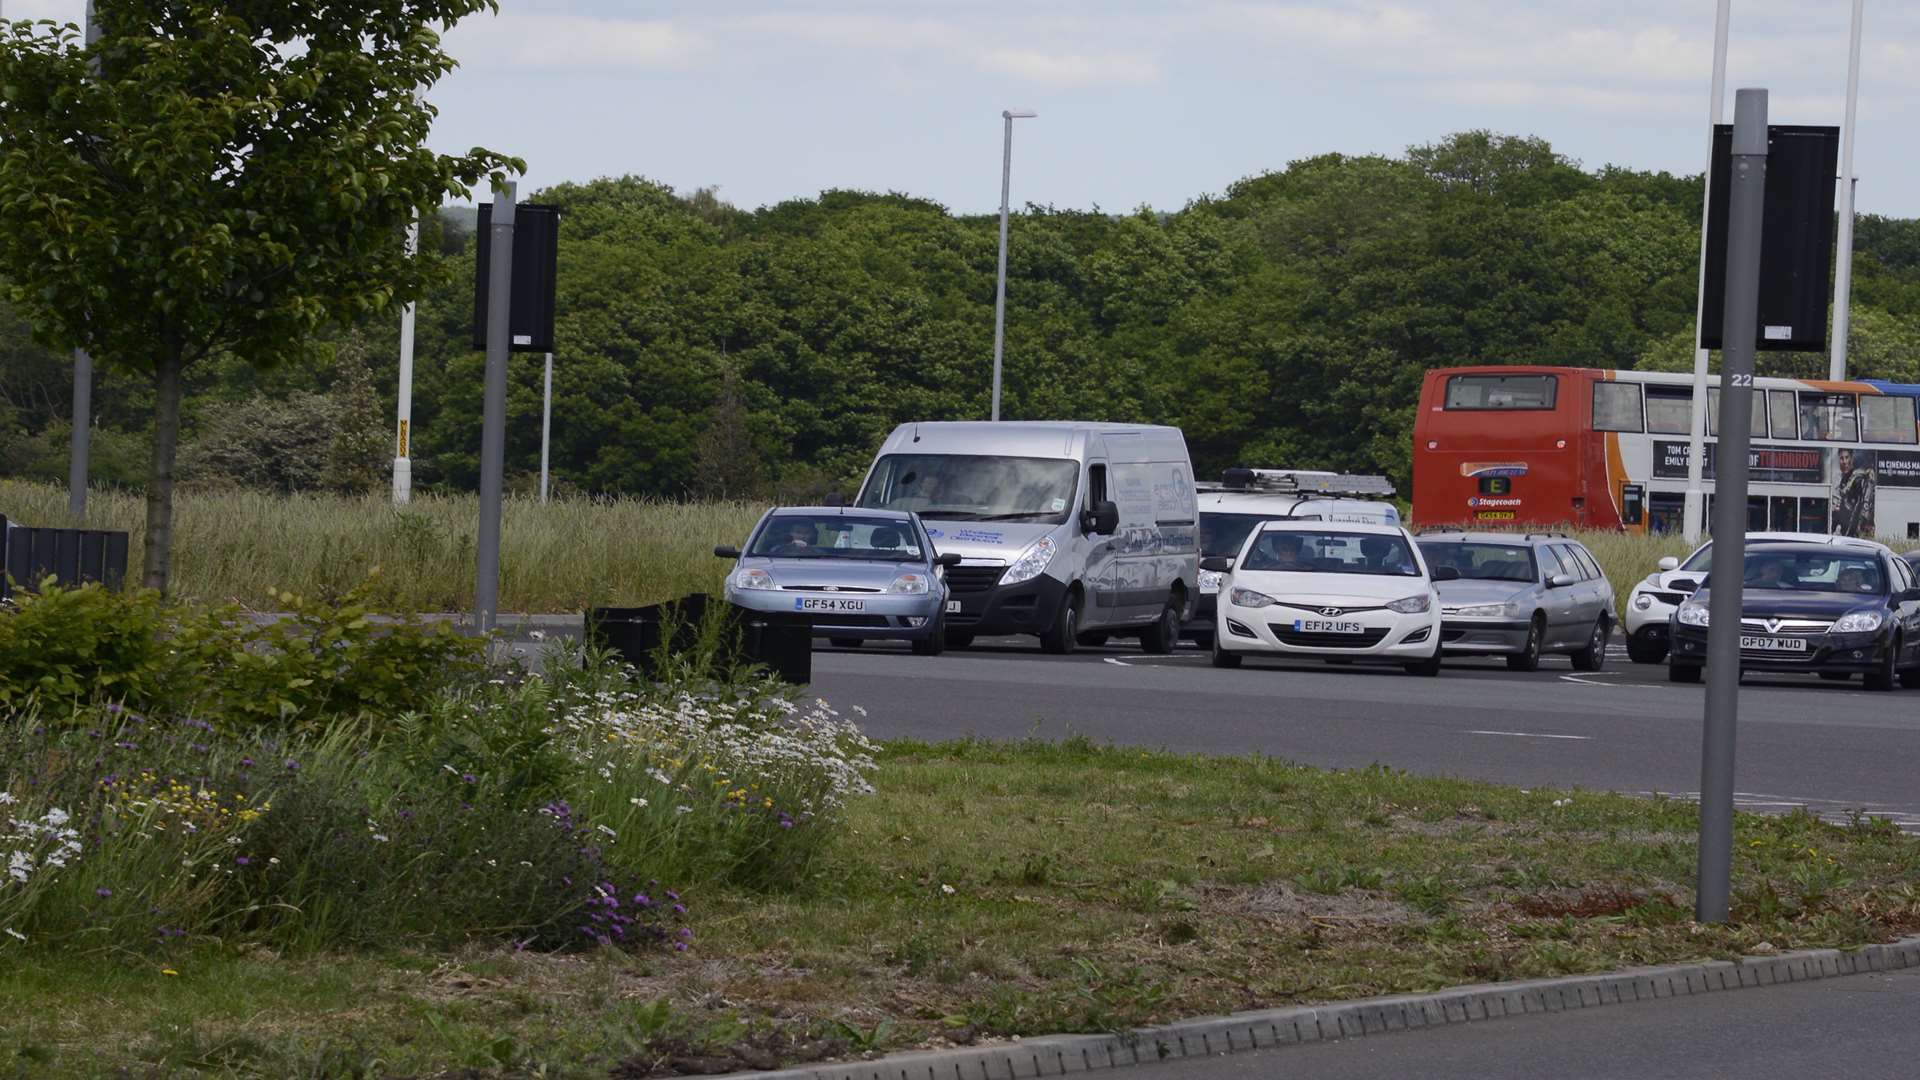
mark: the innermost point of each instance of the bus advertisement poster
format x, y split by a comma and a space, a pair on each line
1768, 464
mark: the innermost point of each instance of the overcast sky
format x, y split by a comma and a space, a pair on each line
1139, 102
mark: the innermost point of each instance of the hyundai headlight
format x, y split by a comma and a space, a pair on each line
1858, 622
1692, 613
1031, 563
1411, 605
754, 579
1248, 598
909, 583
1210, 582
1642, 601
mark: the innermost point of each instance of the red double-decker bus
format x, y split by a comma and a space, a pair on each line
1527, 445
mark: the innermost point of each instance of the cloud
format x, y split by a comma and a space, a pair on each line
1070, 70
571, 43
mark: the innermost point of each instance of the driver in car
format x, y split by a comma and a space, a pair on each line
1283, 553
800, 539
1852, 579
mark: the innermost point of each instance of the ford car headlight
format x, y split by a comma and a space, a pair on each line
1692, 613
1858, 622
753, 579
1642, 601
909, 583
1249, 598
1031, 563
1411, 605
1210, 581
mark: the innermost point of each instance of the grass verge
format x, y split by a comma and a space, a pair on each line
990, 891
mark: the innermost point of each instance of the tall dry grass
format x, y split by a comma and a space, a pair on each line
562, 557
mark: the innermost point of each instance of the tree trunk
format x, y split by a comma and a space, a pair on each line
158, 548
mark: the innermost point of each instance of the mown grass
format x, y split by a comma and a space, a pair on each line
991, 890
560, 557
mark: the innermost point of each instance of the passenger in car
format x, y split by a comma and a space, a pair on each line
800, 539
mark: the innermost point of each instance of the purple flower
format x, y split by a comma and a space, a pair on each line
103, 892
643, 899
671, 895
467, 777
679, 946
679, 909
292, 765
113, 707
246, 763
241, 860
686, 934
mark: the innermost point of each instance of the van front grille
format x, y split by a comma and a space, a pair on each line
973, 579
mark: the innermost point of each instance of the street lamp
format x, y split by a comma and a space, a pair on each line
1000, 289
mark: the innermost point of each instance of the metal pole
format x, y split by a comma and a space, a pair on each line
1697, 431
80, 448
1000, 286
403, 434
1843, 272
1730, 510
493, 424
546, 426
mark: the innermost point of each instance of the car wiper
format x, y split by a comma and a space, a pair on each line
1012, 517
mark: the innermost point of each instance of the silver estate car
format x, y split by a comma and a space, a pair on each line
858, 574
1520, 596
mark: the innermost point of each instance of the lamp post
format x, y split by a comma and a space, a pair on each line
403, 428
1000, 289
1697, 429
1843, 270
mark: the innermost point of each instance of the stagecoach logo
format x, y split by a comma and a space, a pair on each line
1483, 501
1330, 612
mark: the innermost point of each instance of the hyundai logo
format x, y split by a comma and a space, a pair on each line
1329, 612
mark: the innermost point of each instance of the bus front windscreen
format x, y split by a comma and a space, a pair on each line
974, 487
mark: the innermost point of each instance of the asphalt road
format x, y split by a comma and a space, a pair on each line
1834, 748
1853, 1028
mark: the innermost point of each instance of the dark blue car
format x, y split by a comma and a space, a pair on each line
1835, 612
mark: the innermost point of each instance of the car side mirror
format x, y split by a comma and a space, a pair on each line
1560, 581
1103, 518
1218, 564
727, 551
1668, 562
951, 558
1446, 573
1910, 594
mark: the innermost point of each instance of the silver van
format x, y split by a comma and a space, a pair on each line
1068, 531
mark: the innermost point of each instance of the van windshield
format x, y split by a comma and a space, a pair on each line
974, 487
1225, 534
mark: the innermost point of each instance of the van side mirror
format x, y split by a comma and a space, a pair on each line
1103, 518
951, 558
1560, 581
727, 551
1218, 564
1668, 562
1446, 573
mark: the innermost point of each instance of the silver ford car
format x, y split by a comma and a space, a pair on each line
858, 574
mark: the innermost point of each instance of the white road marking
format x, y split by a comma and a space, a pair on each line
1533, 734
1586, 682
1117, 662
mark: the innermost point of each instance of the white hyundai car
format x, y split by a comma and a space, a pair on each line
1651, 604
1335, 591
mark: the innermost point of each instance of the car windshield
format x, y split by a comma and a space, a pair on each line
1813, 572
834, 536
973, 487
1700, 561
1330, 552
1224, 534
1480, 561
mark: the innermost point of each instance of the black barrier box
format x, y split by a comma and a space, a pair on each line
781, 642
72, 556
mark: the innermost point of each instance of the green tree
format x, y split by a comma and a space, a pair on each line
217, 177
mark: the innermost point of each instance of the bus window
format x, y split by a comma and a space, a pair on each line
1757, 422
1669, 410
1783, 515
1886, 418
1616, 406
1502, 391
1666, 512
1813, 515
1786, 416
1829, 418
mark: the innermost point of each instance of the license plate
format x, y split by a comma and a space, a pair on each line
815, 603
1327, 626
953, 607
1772, 644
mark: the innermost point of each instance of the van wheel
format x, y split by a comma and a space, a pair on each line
1594, 656
1529, 660
1063, 635
1164, 634
845, 642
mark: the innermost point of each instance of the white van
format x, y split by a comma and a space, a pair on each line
1068, 531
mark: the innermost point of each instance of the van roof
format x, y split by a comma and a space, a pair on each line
1021, 438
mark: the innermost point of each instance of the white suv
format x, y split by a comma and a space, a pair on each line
1651, 605
1337, 591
